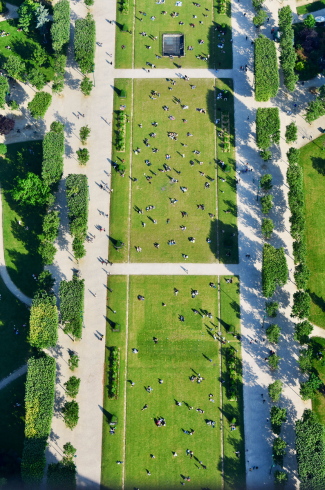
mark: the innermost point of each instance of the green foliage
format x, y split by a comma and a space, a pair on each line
39, 400
300, 250
278, 417
14, 106
39, 105
257, 4
114, 373
89, 3
302, 275
73, 361
84, 133
39, 55
71, 295
14, 66
30, 190
42, 16
60, 59
57, 127
71, 414
258, 20
274, 361
315, 109
267, 203
84, 43
266, 155
78, 248
293, 155
53, 151
273, 333
72, 386
43, 321
3, 149
274, 269
267, 227
86, 86
62, 475
60, 30
266, 182
291, 132
309, 388
58, 84
275, 390
280, 479
45, 282
68, 450
4, 88
36, 78
305, 360
47, 251
26, 14
83, 156
302, 332
77, 199
300, 66
266, 65
301, 305
310, 448
267, 127
288, 55
279, 450
271, 308
51, 222
310, 21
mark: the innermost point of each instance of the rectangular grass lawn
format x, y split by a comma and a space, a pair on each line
160, 189
313, 162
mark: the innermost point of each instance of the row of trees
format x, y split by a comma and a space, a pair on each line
266, 69
71, 294
274, 269
267, 130
288, 55
84, 43
43, 321
77, 200
60, 32
260, 14
316, 108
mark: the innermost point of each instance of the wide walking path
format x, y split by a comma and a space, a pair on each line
16, 374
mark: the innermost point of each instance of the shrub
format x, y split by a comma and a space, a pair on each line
278, 417
266, 68
267, 203
72, 386
83, 156
43, 321
77, 200
280, 478
274, 269
267, 227
14, 106
302, 275
271, 308
45, 282
310, 21
58, 84
30, 190
266, 182
302, 332
51, 222
62, 475
78, 248
47, 251
273, 333
300, 250
4, 89
305, 360
315, 109
26, 14
39, 400
84, 43
6, 125
275, 390
258, 20
14, 66
267, 127
73, 361
84, 133
71, 414
3, 149
309, 388
274, 361
266, 155
301, 305
279, 450
86, 86
291, 132
89, 3
39, 105
60, 30
71, 295
36, 78
288, 55
53, 151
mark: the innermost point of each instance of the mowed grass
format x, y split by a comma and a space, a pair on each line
224, 59
227, 191
235, 476
21, 245
123, 57
312, 159
119, 205
183, 349
113, 444
318, 403
311, 7
161, 190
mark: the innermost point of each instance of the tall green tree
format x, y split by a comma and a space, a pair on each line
42, 16
4, 88
278, 417
26, 14
302, 332
30, 190
14, 66
301, 305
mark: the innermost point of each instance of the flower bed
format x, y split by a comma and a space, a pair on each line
114, 368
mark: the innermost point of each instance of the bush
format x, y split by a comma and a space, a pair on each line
77, 200
14, 66
271, 308
51, 222
86, 86
36, 78
301, 305
39, 400
267, 127
258, 20
273, 333
274, 269
6, 125
309, 388
83, 156
14, 106
45, 282
300, 250
43, 321
84, 133
279, 450
73, 361
288, 55
310, 21
39, 105
72, 386
4, 89
3, 149
275, 390
53, 151
266, 155
266, 182
60, 30
62, 475
280, 478
89, 3
71, 295
278, 417
291, 132
267, 227
71, 414
302, 275
305, 360
302, 332
30, 190
315, 109
274, 361
47, 251
267, 203
58, 84
84, 43
266, 68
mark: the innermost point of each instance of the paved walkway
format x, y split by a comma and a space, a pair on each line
16, 374
173, 269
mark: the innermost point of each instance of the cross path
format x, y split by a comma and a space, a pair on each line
141, 269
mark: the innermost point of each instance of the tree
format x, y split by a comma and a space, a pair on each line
84, 133
45, 282
293, 155
278, 417
86, 86
302, 275
267, 203
280, 478
60, 30
47, 251
57, 127
42, 16
51, 222
257, 4
274, 361
260, 18
301, 305
273, 333
26, 13
302, 332
266, 155
315, 109
39, 55
300, 250
73, 361
39, 105
43, 321
14, 66
58, 84
305, 360
267, 227
310, 21
78, 248
14, 106
83, 156
4, 89
309, 388
275, 390
266, 182
279, 450
30, 190
6, 125
3, 149
72, 386
271, 308
274, 269
291, 132
36, 78
71, 414
68, 451
89, 3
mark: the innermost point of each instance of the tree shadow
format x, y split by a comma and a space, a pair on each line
318, 164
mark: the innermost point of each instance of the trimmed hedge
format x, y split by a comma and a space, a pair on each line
267, 127
43, 321
84, 43
62, 475
77, 200
266, 69
60, 30
274, 269
71, 295
288, 55
39, 105
53, 151
39, 400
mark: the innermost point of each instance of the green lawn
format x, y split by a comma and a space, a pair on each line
223, 60
227, 193
23, 46
318, 345
311, 7
123, 57
119, 207
312, 160
21, 245
235, 476
161, 190
12, 426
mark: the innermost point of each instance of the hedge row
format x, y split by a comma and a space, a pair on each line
60, 30
114, 373
231, 361
266, 69
4, 89
53, 151
274, 269
288, 55
62, 475
71, 294
267, 127
43, 321
77, 200
39, 400
84, 43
